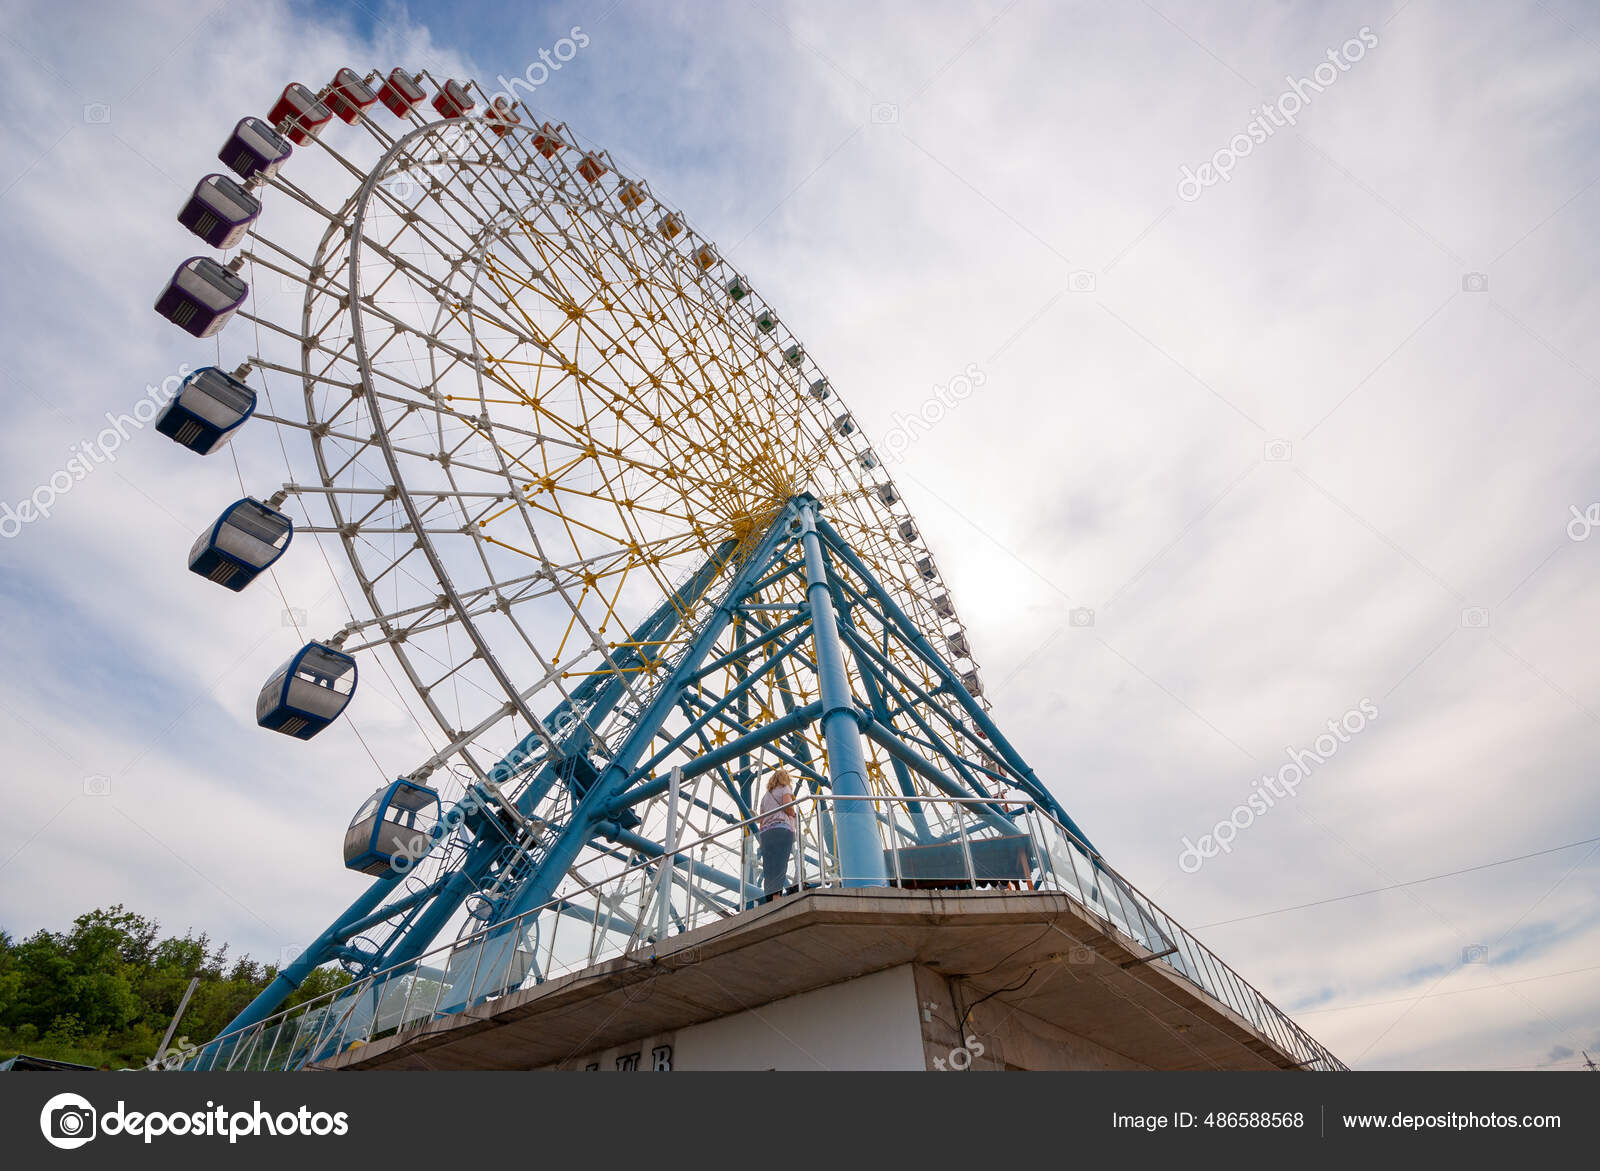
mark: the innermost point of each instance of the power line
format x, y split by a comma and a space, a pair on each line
1397, 885
1452, 992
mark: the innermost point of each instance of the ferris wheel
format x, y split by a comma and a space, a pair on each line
552, 431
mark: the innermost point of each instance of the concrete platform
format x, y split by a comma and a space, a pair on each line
1030, 972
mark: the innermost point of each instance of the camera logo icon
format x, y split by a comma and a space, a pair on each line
97, 113
1277, 451
1081, 281
1475, 953
1474, 282
885, 113
1081, 616
1474, 618
68, 1121
98, 785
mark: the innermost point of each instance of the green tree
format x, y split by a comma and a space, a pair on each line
105, 991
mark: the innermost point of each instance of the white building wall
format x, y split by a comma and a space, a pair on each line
870, 1022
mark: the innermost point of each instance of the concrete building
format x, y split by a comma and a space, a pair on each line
877, 978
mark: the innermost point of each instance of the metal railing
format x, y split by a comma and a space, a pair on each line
929, 843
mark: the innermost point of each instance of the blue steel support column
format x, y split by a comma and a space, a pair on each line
602, 692
290, 978
856, 825
911, 635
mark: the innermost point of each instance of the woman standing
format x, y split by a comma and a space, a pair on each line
777, 832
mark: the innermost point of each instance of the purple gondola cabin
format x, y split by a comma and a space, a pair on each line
220, 211
255, 149
201, 297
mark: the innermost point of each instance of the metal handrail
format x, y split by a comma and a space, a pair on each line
320, 1029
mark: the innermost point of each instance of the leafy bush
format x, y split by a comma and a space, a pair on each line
104, 992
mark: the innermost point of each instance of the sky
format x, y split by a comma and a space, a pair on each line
1278, 320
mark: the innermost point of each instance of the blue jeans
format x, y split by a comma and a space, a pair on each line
775, 846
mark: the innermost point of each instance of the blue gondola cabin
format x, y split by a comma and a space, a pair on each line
255, 149
220, 211
201, 297
392, 830
308, 692
243, 543
209, 407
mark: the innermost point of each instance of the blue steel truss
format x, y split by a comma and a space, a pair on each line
800, 611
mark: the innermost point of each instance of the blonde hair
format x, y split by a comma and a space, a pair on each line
780, 776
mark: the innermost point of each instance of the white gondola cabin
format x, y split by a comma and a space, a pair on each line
887, 494
794, 355
844, 425
209, 407
926, 569
243, 543
220, 211
308, 692
392, 830
819, 391
201, 297
908, 531
255, 149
